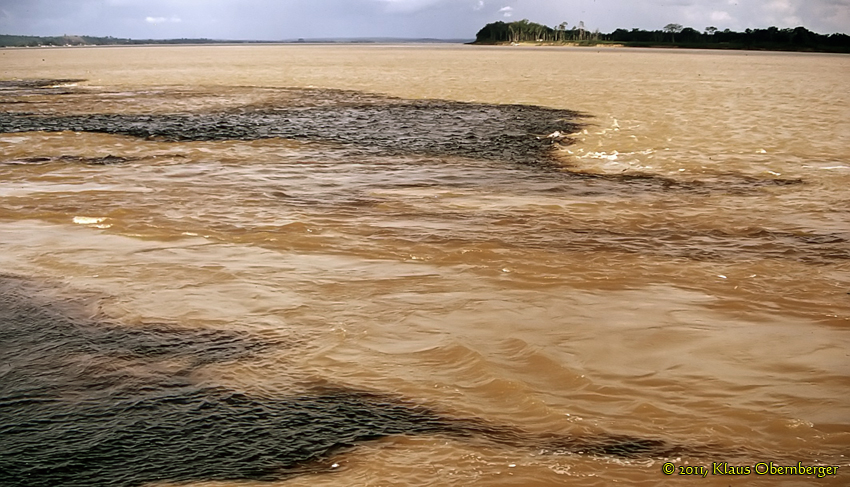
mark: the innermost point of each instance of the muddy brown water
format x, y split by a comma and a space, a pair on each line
422, 265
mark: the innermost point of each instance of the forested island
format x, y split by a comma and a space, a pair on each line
672, 35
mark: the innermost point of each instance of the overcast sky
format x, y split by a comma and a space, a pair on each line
459, 19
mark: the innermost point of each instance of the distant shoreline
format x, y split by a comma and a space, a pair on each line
15, 41
619, 38
238, 43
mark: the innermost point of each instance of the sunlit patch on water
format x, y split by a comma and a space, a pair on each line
88, 220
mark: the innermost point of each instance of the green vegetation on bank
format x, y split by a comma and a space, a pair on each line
672, 35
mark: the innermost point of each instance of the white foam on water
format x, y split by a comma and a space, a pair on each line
88, 220
13, 140
601, 155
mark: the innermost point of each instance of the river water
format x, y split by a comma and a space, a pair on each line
422, 265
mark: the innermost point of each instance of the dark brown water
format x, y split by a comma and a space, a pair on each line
422, 266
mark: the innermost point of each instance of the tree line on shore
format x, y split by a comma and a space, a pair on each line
772, 38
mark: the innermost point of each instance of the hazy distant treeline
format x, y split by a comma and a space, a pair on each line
772, 38
66, 40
